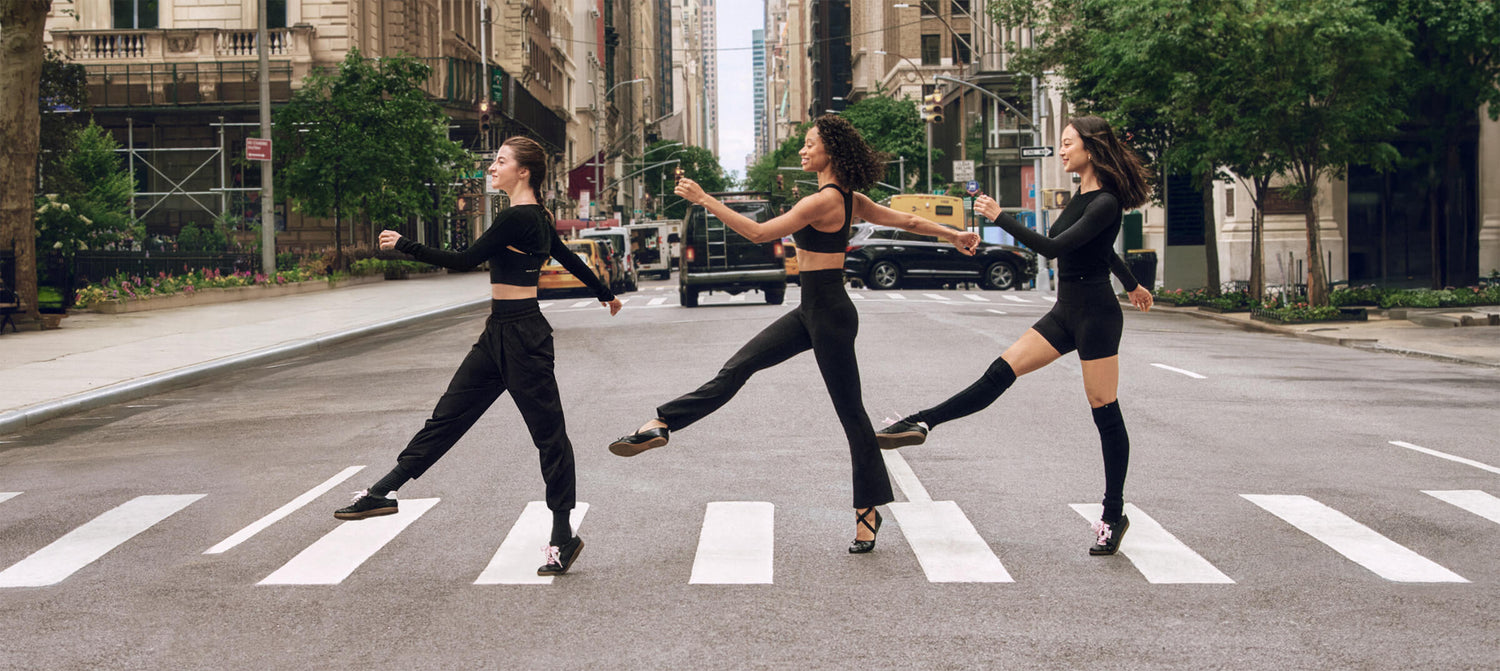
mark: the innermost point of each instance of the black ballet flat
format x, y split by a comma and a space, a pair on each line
859, 547
637, 443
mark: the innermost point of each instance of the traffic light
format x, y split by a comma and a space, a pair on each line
780, 183
932, 108
484, 118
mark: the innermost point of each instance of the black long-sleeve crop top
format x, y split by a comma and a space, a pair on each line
517, 244
1082, 240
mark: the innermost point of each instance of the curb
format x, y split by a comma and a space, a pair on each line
1366, 344
31, 415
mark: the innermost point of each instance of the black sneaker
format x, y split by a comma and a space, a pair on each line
365, 505
1107, 536
900, 434
560, 558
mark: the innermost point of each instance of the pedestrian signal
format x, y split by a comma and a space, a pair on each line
932, 108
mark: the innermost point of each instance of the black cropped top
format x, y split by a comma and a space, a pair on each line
814, 240
517, 243
1082, 240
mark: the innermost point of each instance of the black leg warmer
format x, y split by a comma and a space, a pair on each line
978, 396
562, 529
1116, 447
390, 483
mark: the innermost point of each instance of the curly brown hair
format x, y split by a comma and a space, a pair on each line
855, 164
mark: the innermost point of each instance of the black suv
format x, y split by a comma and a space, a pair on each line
715, 258
886, 258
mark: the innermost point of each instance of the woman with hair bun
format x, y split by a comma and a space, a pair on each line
825, 321
513, 354
1086, 316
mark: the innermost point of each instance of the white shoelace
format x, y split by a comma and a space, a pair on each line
1103, 531
554, 554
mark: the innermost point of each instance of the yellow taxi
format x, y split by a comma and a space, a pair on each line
554, 277
789, 248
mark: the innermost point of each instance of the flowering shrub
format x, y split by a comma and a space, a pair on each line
1230, 301
125, 286
1181, 297
1300, 312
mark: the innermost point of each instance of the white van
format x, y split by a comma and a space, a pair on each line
617, 239
651, 245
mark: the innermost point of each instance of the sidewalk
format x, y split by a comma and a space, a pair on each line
1474, 345
97, 359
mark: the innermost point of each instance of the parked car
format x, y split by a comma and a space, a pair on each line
619, 242
715, 258
556, 279
886, 258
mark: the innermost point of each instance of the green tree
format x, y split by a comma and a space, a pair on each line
63, 94
894, 128
697, 163
91, 208
365, 140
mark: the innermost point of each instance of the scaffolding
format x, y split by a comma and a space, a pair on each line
219, 152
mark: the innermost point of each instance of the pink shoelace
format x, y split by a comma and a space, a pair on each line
554, 554
359, 495
1103, 531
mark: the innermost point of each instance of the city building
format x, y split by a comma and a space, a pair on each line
758, 71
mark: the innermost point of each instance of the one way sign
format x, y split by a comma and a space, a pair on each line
1036, 152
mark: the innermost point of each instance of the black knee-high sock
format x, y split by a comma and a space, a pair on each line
391, 482
978, 396
1115, 443
562, 530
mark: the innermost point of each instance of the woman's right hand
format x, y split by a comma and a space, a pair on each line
388, 239
987, 206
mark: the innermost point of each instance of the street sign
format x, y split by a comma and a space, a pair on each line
972, 187
257, 149
963, 171
1036, 152
497, 85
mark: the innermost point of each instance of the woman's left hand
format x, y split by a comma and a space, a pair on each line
1141, 298
689, 191
966, 242
388, 239
987, 206
613, 305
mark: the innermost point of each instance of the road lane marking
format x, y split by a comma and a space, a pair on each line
6, 496
1188, 373
544, 306
1156, 553
976, 297
857, 296
946, 544
520, 554
80, 547
1480, 503
901, 472
1050, 299
1385, 557
938, 297
1014, 299
1445, 455
334, 556
624, 300
736, 544
998, 312
581, 304
658, 300
896, 297
276, 515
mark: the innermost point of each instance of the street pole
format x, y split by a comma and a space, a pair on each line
267, 193
903, 174
929, 157
484, 140
1036, 169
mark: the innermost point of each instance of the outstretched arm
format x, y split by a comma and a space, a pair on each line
819, 207
875, 213
583, 272
1096, 217
496, 238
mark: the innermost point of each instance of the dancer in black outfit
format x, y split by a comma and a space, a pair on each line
1086, 317
825, 322
513, 354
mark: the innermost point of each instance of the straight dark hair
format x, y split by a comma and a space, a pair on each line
1119, 168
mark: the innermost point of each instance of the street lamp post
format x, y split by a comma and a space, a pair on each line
598, 159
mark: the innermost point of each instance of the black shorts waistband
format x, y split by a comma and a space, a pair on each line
514, 309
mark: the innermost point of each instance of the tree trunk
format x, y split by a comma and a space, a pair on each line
22, 27
1210, 237
1258, 241
1317, 284
338, 241
1437, 225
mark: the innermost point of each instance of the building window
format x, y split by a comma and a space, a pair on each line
275, 13
961, 49
135, 14
929, 7
1229, 203
930, 50
960, 7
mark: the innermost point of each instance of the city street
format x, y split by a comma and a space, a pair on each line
1293, 505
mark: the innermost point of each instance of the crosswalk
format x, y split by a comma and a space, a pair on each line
737, 541
668, 299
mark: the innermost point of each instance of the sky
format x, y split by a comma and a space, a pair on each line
736, 87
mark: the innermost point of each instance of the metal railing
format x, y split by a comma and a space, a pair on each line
180, 45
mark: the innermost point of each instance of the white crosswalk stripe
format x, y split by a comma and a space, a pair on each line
1050, 299
857, 296
337, 554
520, 554
896, 297
1015, 299
544, 306
1363, 545
581, 304
80, 547
658, 300
736, 543
6, 496
1480, 503
977, 298
998, 312
276, 515
1156, 553
946, 544
938, 297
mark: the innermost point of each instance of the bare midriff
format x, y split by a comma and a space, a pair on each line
511, 292
818, 260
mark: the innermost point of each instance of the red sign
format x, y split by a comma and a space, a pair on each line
257, 149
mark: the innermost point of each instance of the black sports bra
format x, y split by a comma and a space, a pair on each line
814, 240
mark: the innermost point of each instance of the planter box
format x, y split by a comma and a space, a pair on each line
1213, 308
225, 295
1345, 315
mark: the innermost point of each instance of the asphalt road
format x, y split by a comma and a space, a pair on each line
1275, 522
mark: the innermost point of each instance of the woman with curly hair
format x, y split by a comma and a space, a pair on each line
1086, 317
825, 321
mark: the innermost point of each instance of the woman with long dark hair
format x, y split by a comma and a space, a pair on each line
1086, 317
513, 354
825, 321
